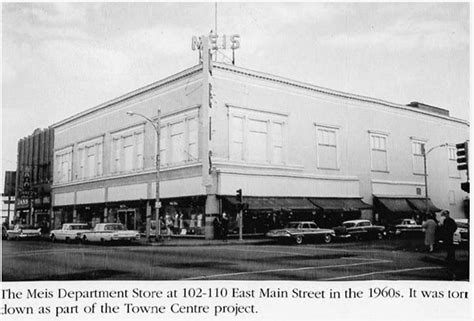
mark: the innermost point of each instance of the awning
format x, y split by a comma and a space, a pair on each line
273, 203
420, 205
339, 204
394, 204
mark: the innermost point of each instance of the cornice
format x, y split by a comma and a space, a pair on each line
166, 81
326, 91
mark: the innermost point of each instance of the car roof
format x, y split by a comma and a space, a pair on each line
356, 221
295, 222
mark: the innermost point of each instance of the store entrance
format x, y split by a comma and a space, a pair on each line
128, 217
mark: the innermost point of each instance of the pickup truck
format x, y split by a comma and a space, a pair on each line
69, 232
360, 229
108, 232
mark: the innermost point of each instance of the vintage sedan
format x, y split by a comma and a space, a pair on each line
360, 229
23, 231
408, 226
301, 231
461, 235
108, 232
69, 232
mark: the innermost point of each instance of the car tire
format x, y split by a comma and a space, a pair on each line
327, 238
379, 236
299, 239
84, 239
67, 240
53, 238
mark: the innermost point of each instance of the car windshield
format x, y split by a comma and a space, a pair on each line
24, 227
114, 227
364, 224
462, 224
348, 224
79, 227
293, 225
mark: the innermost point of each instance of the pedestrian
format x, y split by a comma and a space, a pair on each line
217, 227
449, 227
429, 226
225, 226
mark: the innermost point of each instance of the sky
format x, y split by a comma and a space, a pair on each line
59, 59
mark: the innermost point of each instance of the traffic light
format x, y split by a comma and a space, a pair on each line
462, 156
238, 195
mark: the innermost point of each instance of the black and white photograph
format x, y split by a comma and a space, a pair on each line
322, 144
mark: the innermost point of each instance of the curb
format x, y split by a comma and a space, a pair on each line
174, 243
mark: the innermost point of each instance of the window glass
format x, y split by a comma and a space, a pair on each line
257, 140
378, 145
418, 162
237, 133
193, 139
327, 148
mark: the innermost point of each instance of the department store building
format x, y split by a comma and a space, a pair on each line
297, 151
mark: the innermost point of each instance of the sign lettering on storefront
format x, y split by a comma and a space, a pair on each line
217, 42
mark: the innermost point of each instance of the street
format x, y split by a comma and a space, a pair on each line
395, 259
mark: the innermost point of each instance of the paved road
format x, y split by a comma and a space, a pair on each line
379, 260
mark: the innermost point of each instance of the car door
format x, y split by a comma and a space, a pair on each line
359, 230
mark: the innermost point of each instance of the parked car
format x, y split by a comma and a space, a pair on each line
407, 226
23, 231
69, 232
107, 232
360, 229
461, 235
301, 231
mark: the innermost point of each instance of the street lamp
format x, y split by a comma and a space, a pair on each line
157, 128
425, 153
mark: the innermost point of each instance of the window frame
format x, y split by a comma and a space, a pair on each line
333, 129
270, 118
420, 141
378, 134
117, 144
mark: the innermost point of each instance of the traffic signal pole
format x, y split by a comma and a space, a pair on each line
241, 212
462, 153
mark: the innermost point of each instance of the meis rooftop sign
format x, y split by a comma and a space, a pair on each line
217, 42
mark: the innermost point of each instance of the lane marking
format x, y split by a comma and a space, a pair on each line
285, 270
301, 254
383, 272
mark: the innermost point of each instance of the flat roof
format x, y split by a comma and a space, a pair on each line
433, 111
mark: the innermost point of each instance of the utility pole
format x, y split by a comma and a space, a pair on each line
157, 128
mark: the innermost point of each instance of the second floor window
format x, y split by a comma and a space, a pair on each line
63, 166
257, 140
378, 146
257, 137
90, 159
179, 139
127, 150
418, 149
327, 147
